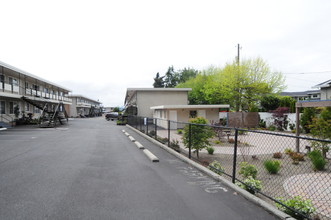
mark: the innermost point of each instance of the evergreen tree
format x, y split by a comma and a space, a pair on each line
158, 81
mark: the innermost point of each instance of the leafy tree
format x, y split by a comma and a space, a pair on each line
307, 118
116, 109
248, 82
158, 81
186, 74
197, 95
200, 134
270, 102
321, 128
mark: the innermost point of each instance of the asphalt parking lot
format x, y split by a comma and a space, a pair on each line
88, 169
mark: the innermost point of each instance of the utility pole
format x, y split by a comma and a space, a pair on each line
238, 56
238, 98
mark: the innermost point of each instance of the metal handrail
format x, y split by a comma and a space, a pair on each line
4, 118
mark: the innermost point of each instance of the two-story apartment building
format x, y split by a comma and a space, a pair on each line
84, 107
325, 88
30, 93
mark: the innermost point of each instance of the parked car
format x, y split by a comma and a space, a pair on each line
111, 116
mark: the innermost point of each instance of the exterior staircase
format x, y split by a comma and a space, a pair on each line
6, 121
49, 117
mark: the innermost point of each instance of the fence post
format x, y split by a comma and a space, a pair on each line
168, 133
235, 156
147, 125
189, 140
155, 129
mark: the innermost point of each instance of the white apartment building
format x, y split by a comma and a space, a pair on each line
31, 94
84, 107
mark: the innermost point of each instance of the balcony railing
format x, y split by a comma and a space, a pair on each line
4, 87
13, 89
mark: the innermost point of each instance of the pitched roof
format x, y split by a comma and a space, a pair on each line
323, 84
7, 66
131, 91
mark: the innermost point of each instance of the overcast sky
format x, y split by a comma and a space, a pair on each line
99, 48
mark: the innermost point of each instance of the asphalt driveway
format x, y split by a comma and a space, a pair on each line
89, 169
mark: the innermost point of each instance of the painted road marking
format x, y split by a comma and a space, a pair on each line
199, 179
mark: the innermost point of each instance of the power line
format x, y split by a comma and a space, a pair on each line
309, 72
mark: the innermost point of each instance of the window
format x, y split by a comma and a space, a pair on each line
36, 110
2, 107
27, 107
193, 114
13, 81
35, 87
26, 85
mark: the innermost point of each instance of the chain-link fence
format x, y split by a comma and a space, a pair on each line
280, 168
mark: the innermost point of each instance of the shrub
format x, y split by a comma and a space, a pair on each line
162, 140
278, 155
262, 123
231, 140
210, 150
271, 128
179, 131
174, 143
297, 156
288, 151
304, 206
247, 170
314, 154
319, 163
280, 118
272, 166
152, 133
317, 159
216, 167
251, 185
217, 142
292, 126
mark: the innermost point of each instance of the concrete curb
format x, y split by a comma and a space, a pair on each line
132, 139
3, 129
139, 145
151, 156
270, 208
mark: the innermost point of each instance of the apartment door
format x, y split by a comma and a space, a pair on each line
2, 107
173, 117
